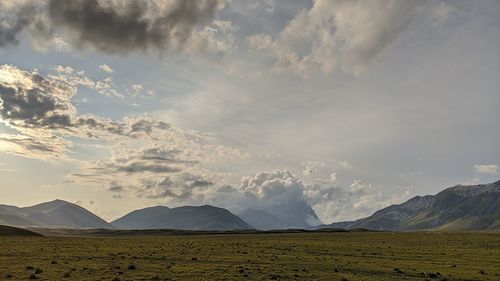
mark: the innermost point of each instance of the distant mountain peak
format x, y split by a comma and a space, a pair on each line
297, 213
158, 207
473, 190
55, 213
263, 220
457, 207
205, 217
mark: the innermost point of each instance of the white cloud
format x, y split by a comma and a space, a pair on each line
216, 40
310, 167
104, 86
333, 177
137, 88
267, 5
334, 204
60, 45
29, 100
273, 187
173, 167
64, 69
346, 165
131, 26
487, 169
349, 35
441, 12
106, 68
41, 112
260, 41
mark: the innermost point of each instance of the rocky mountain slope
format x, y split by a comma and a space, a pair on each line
455, 208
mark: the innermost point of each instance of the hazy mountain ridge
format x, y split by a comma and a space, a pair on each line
57, 213
296, 213
185, 218
455, 208
263, 220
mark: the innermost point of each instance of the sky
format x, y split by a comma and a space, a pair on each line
349, 105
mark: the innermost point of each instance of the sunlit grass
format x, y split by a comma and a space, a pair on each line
300, 256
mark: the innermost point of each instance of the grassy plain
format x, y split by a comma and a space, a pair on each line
296, 256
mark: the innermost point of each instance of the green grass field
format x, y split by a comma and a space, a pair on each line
299, 256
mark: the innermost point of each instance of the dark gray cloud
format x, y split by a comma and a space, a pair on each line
140, 167
12, 25
29, 100
156, 159
32, 108
10, 29
226, 189
115, 187
180, 186
131, 25
16, 16
111, 26
41, 110
157, 171
130, 128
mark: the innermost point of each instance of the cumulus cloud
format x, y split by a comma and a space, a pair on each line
273, 187
166, 172
119, 26
30, 100
310, 167
16, 16
260, 41
106, 68
345, 164
181, 186
137, 88
176, 176
115, 187
332, 34
104, 86
173, 168
41, 110
334, 203
216, 39
280, 193
226, 189
155, 159
40, 145
487, 169
284, 195
68, 75
64, 69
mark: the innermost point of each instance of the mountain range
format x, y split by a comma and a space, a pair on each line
263, 220
57, 213
185, 218
455, 208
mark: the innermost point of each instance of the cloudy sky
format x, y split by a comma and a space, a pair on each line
350, 105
